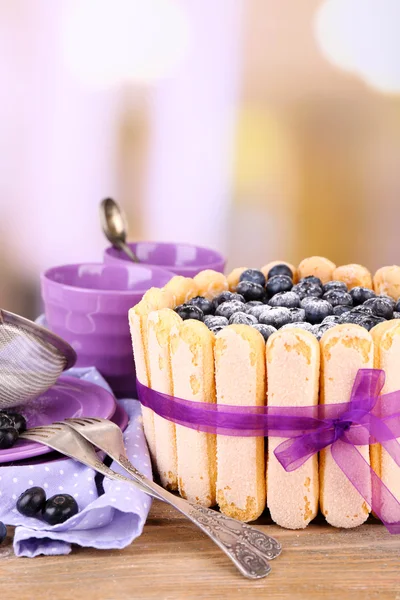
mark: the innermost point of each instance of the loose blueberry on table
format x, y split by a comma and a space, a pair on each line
11, 425
55, 510
271, 303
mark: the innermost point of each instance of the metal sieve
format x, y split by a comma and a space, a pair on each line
31, 359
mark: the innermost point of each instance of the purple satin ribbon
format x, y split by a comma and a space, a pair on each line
368, 418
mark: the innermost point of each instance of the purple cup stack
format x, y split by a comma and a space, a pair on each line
88, 304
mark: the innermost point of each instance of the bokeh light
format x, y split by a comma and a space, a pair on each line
108, 42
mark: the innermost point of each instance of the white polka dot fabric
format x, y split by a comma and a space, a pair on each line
109, 520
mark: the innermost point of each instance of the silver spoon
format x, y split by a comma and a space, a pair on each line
114, 226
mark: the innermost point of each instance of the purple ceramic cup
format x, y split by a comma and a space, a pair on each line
87, 305
181, 259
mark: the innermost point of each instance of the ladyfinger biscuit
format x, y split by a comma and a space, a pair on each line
234, 277
293, 361
210, 283
353, 276
192, 361
266, 268
240, 380
318, 266
344, 350
387, 281
159, 325
183, 288
386, 338
153, 299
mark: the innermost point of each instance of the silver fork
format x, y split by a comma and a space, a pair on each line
107, 436
251, 563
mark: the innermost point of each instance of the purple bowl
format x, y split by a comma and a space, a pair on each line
87, 305
181, 259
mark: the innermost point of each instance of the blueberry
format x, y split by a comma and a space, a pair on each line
216, 329
5, 420
276, 316
59, 508
340, 309
227, 297
300, 325
316, 310
280, 270
216, 321
338, 298
334, 285
226, 309
380, 306
188, 311
304, 289
389, 299
362, 309
3, 532
278, 283
17, 421
206, 306
251, 291
322, 328
8, 437
31, 502
297, 314
241, 318
254, 276
396, 314
331, 319
287, 299
397, 306
311, 279
255, 303
361, 295
265, 330
256, 311
360, 318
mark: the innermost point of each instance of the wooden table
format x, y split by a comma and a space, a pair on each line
173, 560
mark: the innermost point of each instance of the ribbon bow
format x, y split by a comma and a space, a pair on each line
368, 418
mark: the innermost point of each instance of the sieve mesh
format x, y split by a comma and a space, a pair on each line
31, 360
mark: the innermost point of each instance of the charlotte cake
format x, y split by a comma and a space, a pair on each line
227, 339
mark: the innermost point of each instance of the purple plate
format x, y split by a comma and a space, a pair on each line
68, 398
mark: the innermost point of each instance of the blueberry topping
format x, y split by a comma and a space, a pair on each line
331, 319
340, 309
206, 306
280, 270
265, 330
396, 315
362, 309
227, 297
17, 421
381, 307
397, 306
255, 303
241, 318
304, 289
251, 291
3, 532
216, 329
338, 298
278, 283
216, 321
322, 328
188, 311
31, 502
276, 316
254, 276
226, 309
316, 310
334, 285
389, 299
8, 437
362, 319
5, 420
59, 508
286, 299
297, 314
361, 295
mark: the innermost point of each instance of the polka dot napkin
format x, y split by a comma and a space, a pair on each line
111, 515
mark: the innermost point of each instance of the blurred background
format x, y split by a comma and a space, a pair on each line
268, 129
